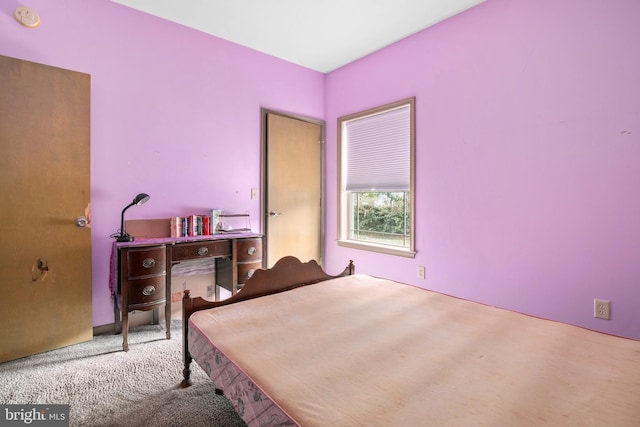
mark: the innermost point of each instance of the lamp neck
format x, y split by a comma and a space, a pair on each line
124, 236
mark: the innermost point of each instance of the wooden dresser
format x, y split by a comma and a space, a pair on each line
143, 270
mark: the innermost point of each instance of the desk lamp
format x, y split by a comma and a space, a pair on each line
123, 236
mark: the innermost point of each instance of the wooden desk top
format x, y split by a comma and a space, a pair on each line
174, 240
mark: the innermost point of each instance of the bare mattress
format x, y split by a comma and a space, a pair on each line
360, 350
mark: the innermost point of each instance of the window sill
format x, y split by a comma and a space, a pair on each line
373, 247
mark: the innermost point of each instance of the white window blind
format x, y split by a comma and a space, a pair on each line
379, 151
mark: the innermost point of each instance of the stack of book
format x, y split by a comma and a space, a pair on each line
192, 225
196, 225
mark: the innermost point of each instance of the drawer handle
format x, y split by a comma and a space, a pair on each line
148, 290
251, 250
203, 251
148, 262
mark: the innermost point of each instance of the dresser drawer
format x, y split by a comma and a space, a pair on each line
246, 270
141, 262
249, 250
142, 292
184, 251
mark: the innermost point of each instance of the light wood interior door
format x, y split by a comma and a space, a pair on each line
45, 258
293, 204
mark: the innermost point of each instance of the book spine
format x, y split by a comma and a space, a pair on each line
190, 226
206, 225
176, 226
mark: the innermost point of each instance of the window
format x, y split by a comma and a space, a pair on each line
376, 167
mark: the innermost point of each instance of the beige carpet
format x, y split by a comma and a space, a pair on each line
108, 387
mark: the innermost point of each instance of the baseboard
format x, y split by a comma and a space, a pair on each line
104, 329
136, 318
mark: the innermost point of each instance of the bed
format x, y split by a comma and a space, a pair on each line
299, 347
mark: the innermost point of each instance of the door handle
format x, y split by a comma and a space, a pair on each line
81, 221
275, 213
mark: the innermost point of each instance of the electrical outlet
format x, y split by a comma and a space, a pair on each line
254, 194
602, 309
421, 272
210, 291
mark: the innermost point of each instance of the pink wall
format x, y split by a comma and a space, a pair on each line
175, 113
528, 140
528, 156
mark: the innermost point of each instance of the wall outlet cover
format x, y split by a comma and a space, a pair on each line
602, 309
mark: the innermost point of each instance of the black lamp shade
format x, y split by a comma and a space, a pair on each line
141, 199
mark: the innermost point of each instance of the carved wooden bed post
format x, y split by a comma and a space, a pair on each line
187, 309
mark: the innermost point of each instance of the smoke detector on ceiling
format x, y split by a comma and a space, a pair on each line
27, 16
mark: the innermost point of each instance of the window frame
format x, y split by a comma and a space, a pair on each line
344, 195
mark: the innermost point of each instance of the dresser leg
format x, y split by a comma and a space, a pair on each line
125, 331
117, 323
167, 316
117, 326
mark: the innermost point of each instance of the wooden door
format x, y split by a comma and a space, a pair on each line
293, 205
45, 258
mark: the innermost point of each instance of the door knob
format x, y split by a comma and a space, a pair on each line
274, 213
81, 221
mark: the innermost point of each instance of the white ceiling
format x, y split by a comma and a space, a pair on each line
319, 34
